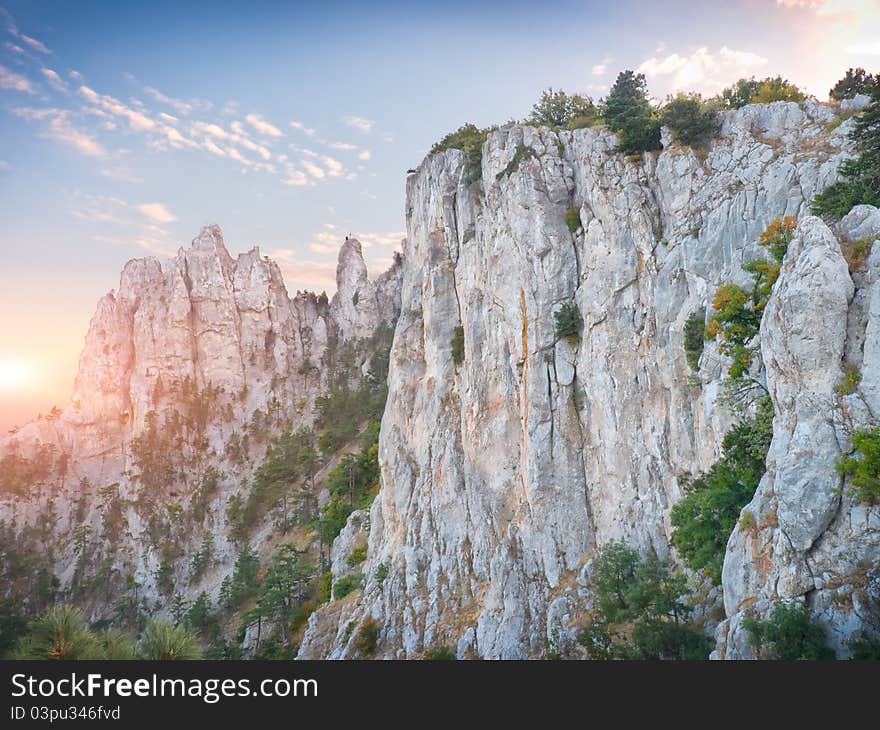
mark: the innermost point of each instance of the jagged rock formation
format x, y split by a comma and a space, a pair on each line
191, 364
359, 304
502, 476
807, 537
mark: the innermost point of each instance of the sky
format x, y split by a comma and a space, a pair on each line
126, 126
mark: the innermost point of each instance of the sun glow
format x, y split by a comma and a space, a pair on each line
15, 375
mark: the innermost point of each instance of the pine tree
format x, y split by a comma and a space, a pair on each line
179, 605
855, 81
629, 113
284, 587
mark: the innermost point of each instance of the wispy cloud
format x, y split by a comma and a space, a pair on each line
334, 167
14, 81
325, 242
57, 126
313, 170
262, 126
235, 136
100, 209
136, 119
33, 43
124, 224
308, 131
122, 174
390, 239
29, 41
600, 68
181, 107
364, 125
157, 212
295, 178
365, 155
54, 80
87, 119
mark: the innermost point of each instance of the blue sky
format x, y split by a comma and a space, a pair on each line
123, 129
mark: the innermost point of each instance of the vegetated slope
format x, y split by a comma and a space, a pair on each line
208, 411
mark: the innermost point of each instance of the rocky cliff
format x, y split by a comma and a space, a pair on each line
189, 369
504, 473
510, 456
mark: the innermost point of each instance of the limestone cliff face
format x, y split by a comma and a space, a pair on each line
502, 475
198, 350
808, 538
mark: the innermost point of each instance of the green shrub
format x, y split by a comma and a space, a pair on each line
763, 91
737, 316
117, 645
855, 81
60, 633
347, 584
746, 522
692, 122
859, 181
367, 637
332, 519
841, 197
862, 469
740, 94
162, 640
381, 573
457, 345
568, 321
558, 109
788, 634
703, 520
856, 253
439, 653
628, 112
777, 89
865, 648
573, 218
522, 152
357, 556
469, 139
581, 122
849, 383
325, 587
301, 614
695, 338
639, 610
